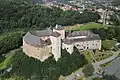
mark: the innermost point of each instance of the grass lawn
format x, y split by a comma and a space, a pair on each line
108, 44
88, 26
106, 64
7, 59
103, 56
98, 55
6, 62
87, 56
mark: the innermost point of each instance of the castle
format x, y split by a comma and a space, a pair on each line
42, 44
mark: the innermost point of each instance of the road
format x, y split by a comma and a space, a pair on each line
115, 54
96, 66
73, 76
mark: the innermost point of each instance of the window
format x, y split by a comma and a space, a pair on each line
87, 47
37, 48
77, 45
84, 47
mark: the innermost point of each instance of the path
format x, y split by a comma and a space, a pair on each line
73, 76
115, 54
96, 66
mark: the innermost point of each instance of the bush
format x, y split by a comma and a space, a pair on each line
10, 41
88, 70
48, 70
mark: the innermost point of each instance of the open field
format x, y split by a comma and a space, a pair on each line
97, 55
87, 26
102, 55
108, 44
106, 64
87, 56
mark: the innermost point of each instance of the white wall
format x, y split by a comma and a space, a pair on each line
84, 45
40, 53
56, 47
77, 37
69, 47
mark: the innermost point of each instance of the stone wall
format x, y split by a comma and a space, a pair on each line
40, 53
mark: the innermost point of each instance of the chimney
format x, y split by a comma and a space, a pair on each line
56, 26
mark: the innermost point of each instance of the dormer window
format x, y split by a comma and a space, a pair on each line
37, 48
77, 45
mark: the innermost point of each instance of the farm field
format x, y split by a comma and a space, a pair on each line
88, 26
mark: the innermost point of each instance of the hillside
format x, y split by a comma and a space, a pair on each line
26, 67
116, 2
19, 14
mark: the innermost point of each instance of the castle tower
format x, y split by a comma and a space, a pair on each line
56, 44
60, 30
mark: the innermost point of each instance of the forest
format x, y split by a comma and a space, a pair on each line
26, 67
22, 14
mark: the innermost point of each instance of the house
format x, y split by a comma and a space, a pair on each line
42, 44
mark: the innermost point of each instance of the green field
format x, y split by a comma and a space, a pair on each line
108, 44
88, 26
30, 68
106, 64
87, 56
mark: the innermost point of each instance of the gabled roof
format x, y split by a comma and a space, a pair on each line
80, 33
89, 36
55, 34
67, 41
35, 40
41, 33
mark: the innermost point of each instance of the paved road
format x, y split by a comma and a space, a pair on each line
73, 76
96, 66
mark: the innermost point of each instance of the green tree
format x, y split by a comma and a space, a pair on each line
98, 79
110, 77
88, 70
118, 39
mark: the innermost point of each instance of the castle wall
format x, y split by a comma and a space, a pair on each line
37, 52
56, 47
86, 45
68, 47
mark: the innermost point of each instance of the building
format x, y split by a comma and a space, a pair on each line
104, 16
64, 7
43, 44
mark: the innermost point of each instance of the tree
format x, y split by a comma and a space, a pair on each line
117, 31
102, 33
10, 41
22, 14
110, 77
118, 39
116, 2
88, 70
47, 70
98, 79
